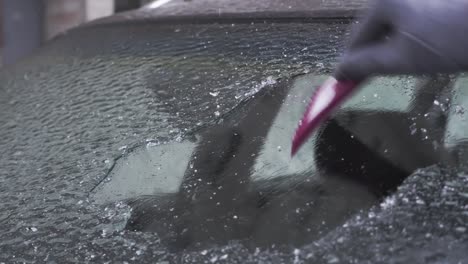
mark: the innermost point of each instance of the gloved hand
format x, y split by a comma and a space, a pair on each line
408, 37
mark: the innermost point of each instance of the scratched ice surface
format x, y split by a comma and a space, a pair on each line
87, 98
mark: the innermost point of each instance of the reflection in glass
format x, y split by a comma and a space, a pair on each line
235, 180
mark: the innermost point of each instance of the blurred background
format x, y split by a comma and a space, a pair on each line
26, 24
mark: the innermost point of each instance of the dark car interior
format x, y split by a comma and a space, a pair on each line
358, 163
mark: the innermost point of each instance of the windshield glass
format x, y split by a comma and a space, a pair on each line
183, 132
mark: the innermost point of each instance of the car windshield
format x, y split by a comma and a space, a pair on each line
171, 142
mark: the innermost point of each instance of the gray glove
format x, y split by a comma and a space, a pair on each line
408, 37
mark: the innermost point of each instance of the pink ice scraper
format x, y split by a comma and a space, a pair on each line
327, 97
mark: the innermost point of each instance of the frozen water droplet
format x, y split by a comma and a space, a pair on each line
217, 113
204, 252
333, 259
257, 251
151, 144
278, 148
296, 253
235, 217
413, 129
388, 202
34, 229
459, 110
419, 201
436, 102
